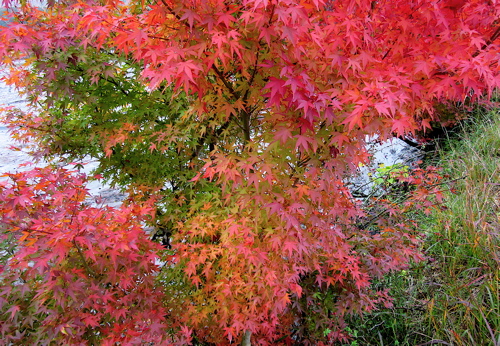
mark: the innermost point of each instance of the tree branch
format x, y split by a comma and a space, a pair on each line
89, 270
203, 139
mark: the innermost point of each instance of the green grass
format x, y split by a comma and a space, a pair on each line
465, 310
453, 298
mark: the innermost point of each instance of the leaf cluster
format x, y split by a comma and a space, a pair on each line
72, 272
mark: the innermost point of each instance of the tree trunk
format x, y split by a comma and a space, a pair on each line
246, 339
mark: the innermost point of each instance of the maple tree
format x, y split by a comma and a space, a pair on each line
244, 121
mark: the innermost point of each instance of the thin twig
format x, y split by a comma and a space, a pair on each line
85, 264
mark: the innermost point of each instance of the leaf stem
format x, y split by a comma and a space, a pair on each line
89, 270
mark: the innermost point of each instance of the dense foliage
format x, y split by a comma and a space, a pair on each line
71, 271
243, 122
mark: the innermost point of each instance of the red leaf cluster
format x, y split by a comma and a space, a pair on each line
73, 272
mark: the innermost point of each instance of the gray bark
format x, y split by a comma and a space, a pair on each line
246, 339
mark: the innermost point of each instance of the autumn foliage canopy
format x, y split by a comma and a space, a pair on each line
235, 127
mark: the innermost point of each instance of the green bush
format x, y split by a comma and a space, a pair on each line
453, 298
